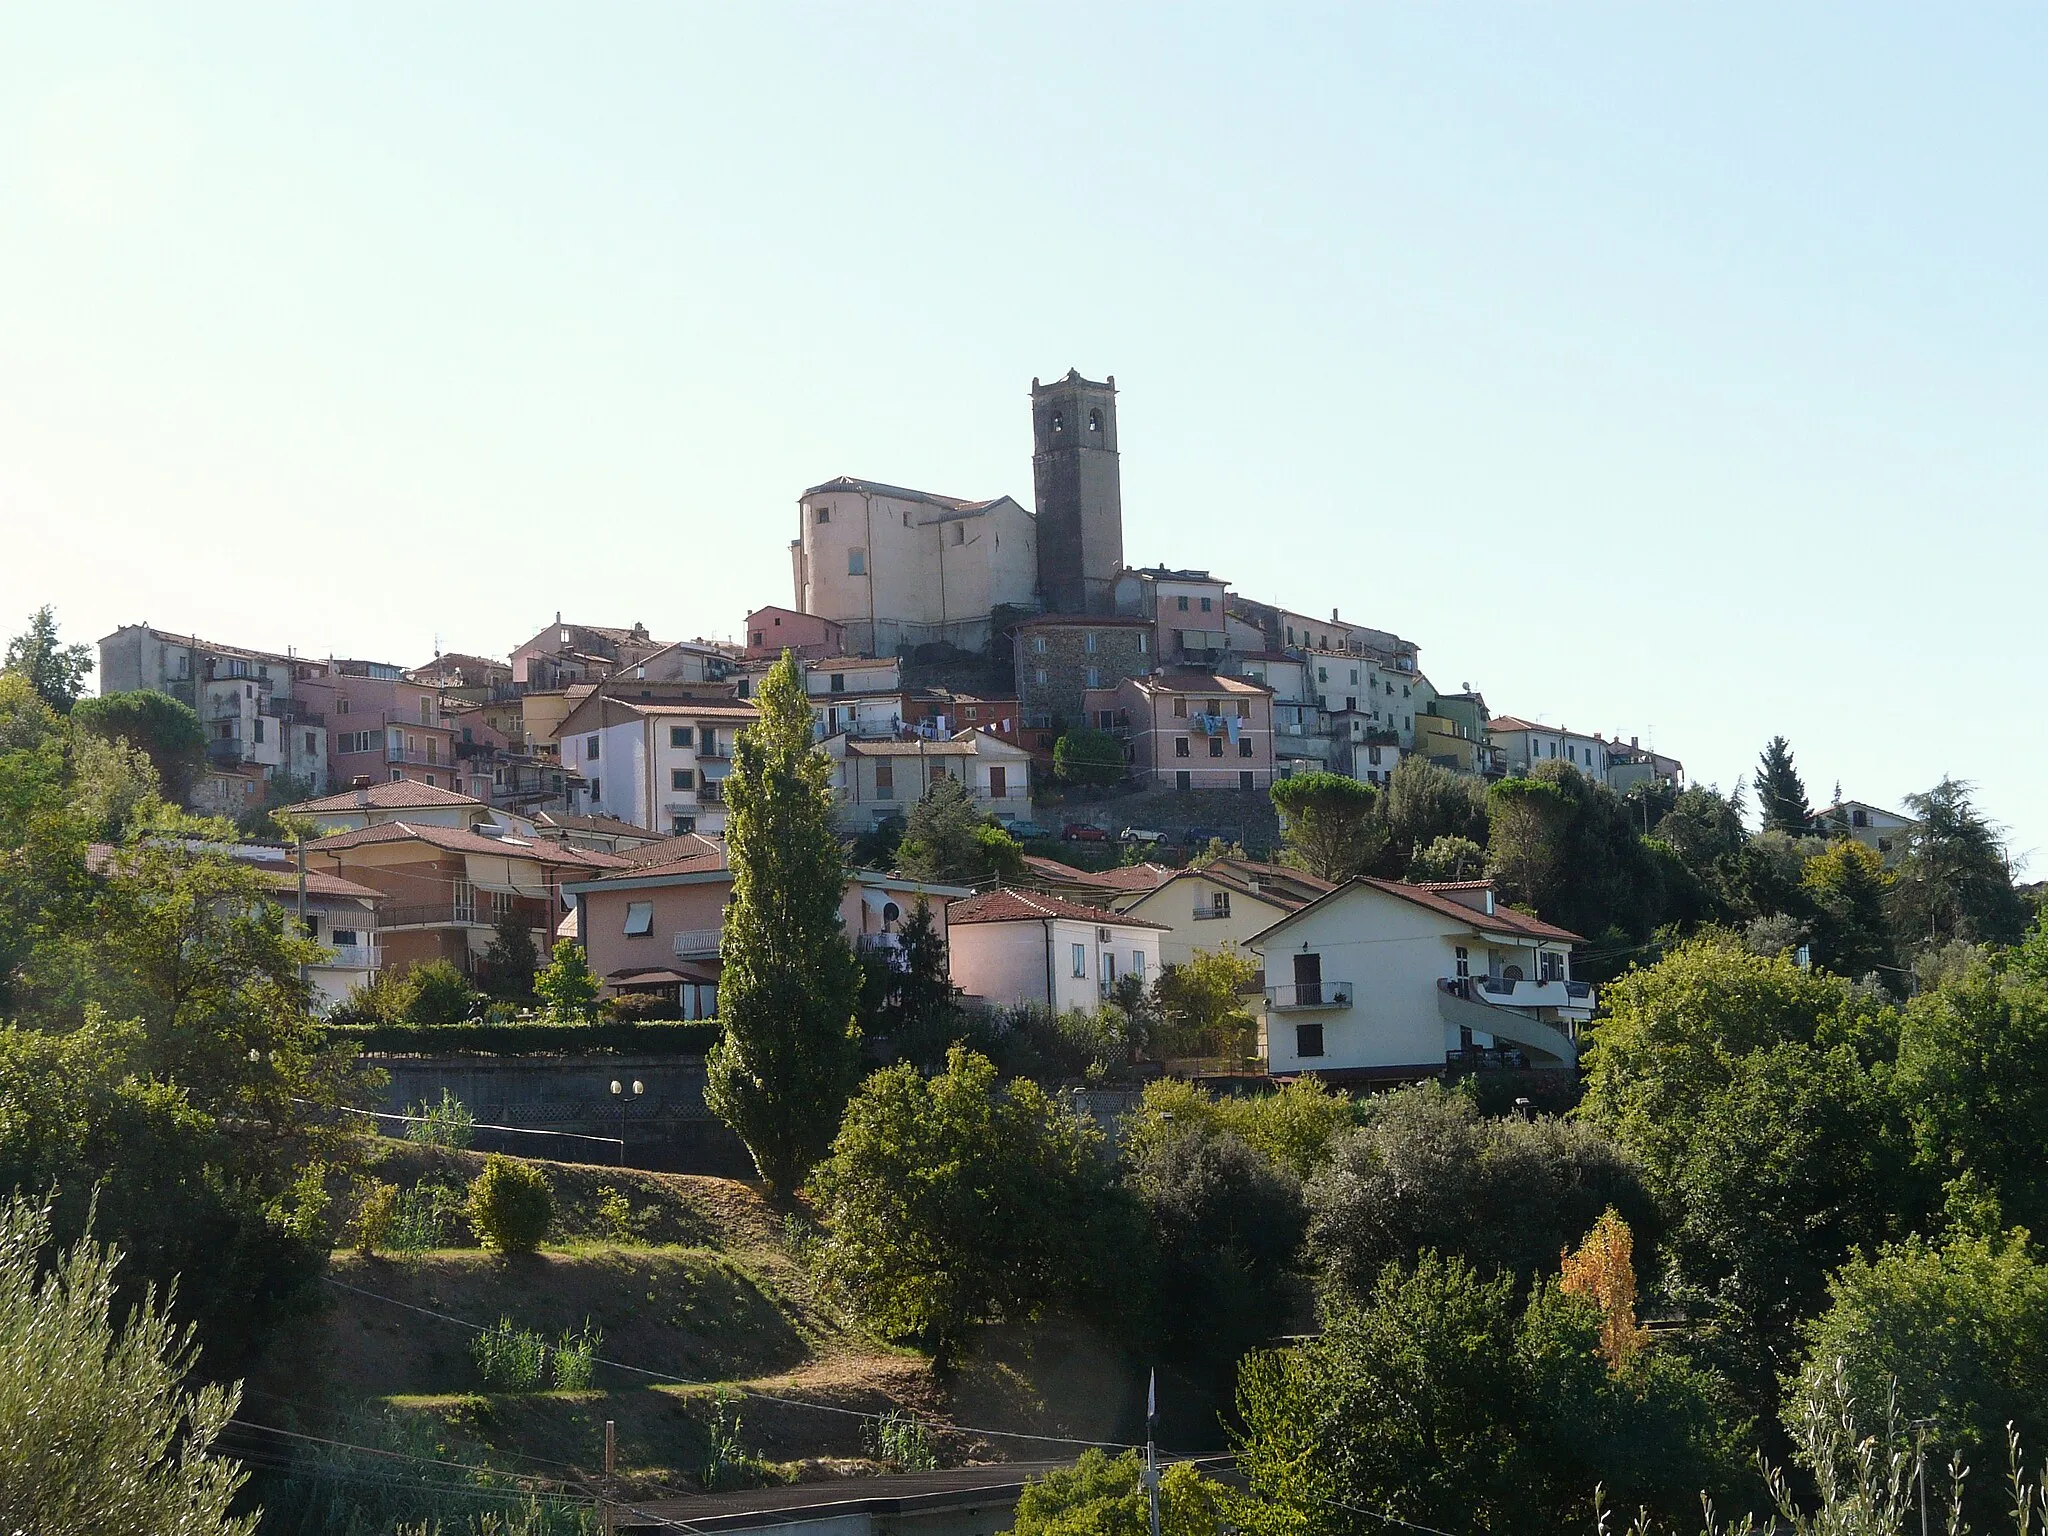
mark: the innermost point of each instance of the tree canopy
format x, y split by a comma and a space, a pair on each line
1329, 823
1780, 794
161, 727
55, 670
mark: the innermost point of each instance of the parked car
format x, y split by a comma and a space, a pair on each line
1084, 832
1138, 835
1026, 831
1197, 837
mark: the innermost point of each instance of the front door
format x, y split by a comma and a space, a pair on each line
1308, 980
998, 783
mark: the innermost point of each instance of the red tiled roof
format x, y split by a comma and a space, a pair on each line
1014, 906
458, 840
1501, 919
391, 795
1134, 877
689, 845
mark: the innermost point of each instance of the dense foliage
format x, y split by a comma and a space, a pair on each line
946, 839
789, 989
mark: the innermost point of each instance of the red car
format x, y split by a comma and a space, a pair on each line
1082, 832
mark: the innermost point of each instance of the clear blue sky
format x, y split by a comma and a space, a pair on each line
1674, 371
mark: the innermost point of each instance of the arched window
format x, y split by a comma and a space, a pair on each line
1059, 422
1095, 421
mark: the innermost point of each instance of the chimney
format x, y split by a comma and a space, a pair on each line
1635, 741
1333, 616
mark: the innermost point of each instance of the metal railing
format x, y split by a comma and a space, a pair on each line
1309, 994
354, 957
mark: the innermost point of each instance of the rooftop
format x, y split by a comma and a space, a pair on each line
460, 840
1015, 906
386, 795
901, 493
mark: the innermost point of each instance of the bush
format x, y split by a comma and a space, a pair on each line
421, 1217
440, 994
637, 1006
510, 1359
566, 988
447, 1124
376, 1217
529, 1037
510, 1205
576, 1359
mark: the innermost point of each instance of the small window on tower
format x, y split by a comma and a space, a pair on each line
822, 515
1059, 423
856, 562
1095, 421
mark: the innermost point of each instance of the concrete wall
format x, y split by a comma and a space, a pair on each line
666, 1128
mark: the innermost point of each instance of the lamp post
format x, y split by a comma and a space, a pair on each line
619, 1093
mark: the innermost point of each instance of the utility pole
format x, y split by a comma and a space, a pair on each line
611, 1462
1152, 1451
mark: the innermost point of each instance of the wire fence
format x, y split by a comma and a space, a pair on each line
617, 1143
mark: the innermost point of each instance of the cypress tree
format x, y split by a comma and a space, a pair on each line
1780, 794
788, 994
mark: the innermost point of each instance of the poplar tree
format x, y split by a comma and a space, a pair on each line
789, 991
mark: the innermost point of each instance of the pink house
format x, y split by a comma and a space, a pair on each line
771, 631
656, 927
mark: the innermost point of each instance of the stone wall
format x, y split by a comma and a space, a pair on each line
667, 1127
1122, 649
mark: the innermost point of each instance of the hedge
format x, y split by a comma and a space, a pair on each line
666, 1037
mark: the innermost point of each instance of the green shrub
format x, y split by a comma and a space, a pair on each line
901, 1442
376, 1216
528, 1037
385, 998
615, 1214
635, 1006
575, 1359
446, 1124
440, 994
510, 1359
510, 1205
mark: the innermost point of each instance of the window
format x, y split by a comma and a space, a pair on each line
1244, 709
1038, 645
707, 741
258, 723
590, 749
1308, 1039
344, 938
1095, 421
1138, 964
639, 919
1144, 642
885, 779
681, 736
1247, 780
430, 781
1550, 966
398, 775
1181, 603
970, 712
1404, 690
1322, 674
746, 688
1094, 679
1464, 961
1039, 677
596, 790
856, 562
1080, 959
757, 637
682, 778
1206, 605
678, 825
465, 902
1108, 970
1180, 709
959, 533
341, 706
1059, 424
1553, 749
837, 682
1182, 779
311, 749
1180, 746
1219, 903
1215, 746
1244, 746
1088, 642
822, 515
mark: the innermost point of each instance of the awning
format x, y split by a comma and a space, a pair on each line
489, 873
665, 976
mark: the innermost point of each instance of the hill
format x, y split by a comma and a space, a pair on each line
711, 1336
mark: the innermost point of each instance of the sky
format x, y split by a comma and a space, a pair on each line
1672, 372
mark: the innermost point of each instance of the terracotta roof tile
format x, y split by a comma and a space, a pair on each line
391, 795
1014, 906
458, 840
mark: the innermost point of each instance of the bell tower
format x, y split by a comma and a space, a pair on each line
1079, 487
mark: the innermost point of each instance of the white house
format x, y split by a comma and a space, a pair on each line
659, 764
1379, 979
875, 780
1010, 947
1873, 826
1226, 902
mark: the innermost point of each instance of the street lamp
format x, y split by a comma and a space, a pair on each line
619, 1093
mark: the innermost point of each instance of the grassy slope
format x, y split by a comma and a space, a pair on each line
707, 1292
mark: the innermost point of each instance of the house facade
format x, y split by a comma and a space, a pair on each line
1011, 947
875, 780
658, 927
1380, 979
1883, 832
1191, 730
771, 630
566, 653
373, 802
386, 726
654, 764
1224, 903
444, 890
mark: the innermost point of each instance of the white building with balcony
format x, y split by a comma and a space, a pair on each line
875, 780
1010, 947
659, 764
1384, 980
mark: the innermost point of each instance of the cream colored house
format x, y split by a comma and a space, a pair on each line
409, 800
1010, 947
1227, 902
875, 780
1380, 979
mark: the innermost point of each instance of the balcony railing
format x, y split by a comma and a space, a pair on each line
354, 957
1507, 992
1209, 914
427, 914
1309, 994
697, 944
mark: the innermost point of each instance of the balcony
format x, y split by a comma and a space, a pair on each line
353, 957
1209, 914
1574, 998
1307, 995
430, 914
697, 944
